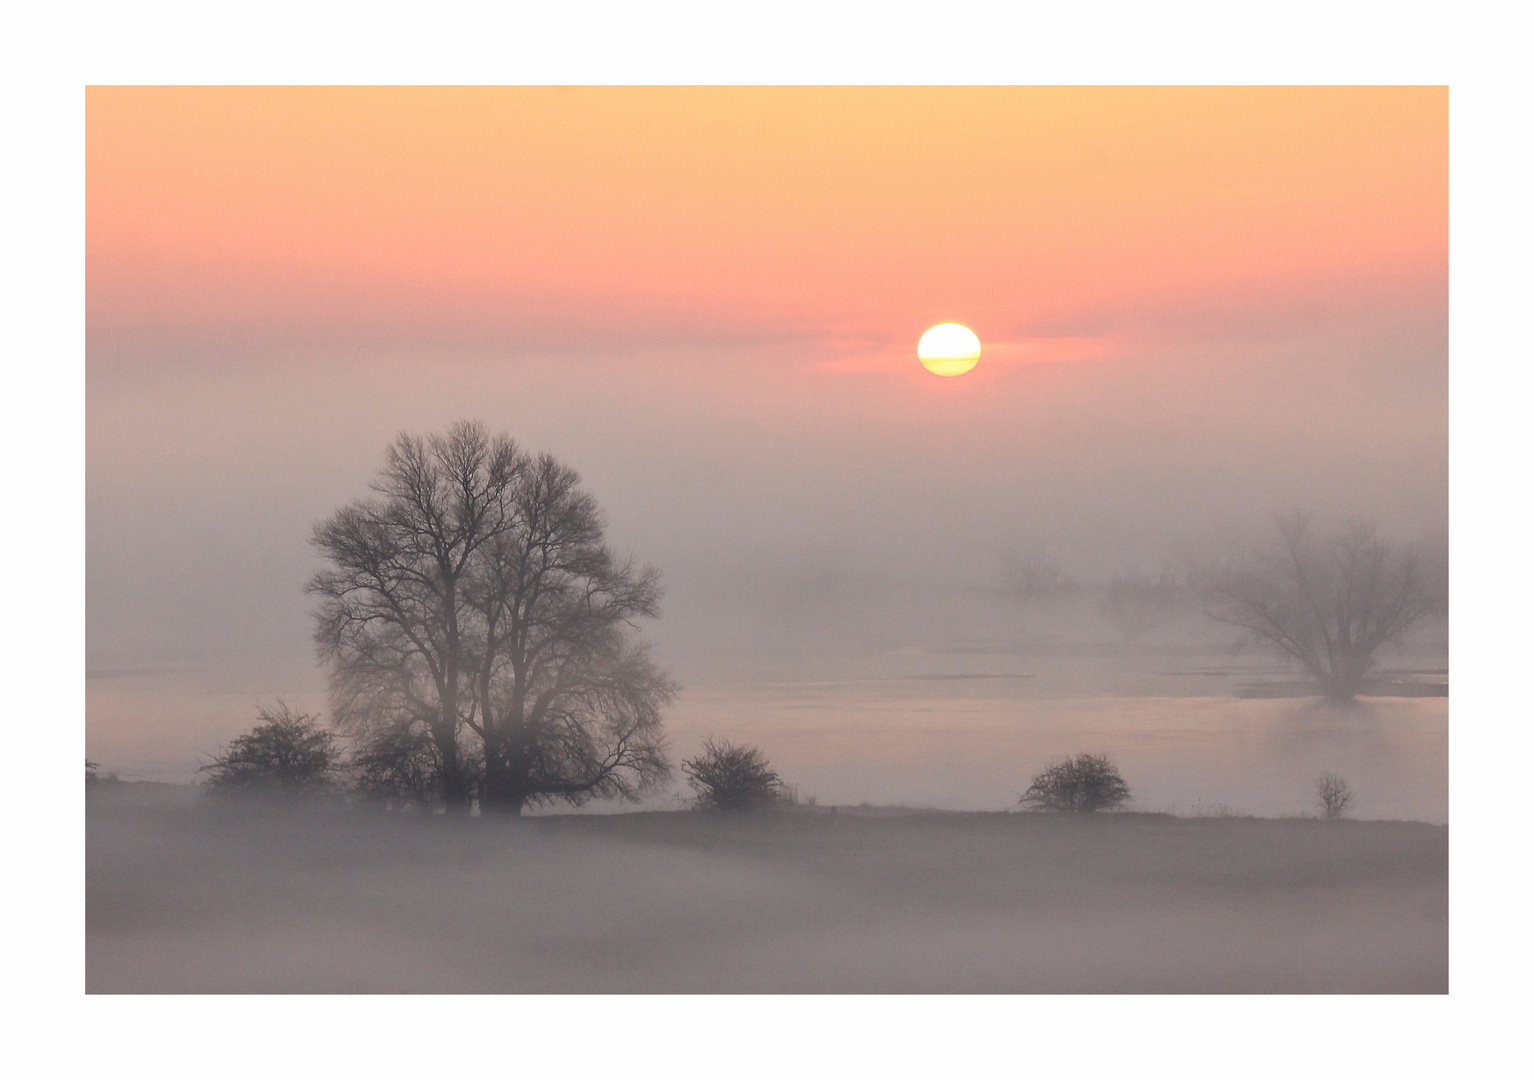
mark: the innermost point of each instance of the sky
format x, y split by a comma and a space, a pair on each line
1199, 306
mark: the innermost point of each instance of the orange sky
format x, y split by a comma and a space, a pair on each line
853, 216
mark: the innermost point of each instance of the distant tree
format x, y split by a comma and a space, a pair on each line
1035, 577
1135, 604
286, 752
90, 771
734, 779
474, 599
1334, 794
1329, 602
1083, 784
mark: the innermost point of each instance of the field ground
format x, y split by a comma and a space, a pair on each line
184, 896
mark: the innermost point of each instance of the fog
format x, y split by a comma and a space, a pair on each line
1200, 308
811, 523
186, 898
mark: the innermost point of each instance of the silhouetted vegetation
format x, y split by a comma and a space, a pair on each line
1083, 784
474, 603
734, 779
1334, 794
286, 752
1328, 602
398, 767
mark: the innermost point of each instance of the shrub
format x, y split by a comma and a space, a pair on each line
1083, 784
286, 752
399, 767
1334, 794
731, 778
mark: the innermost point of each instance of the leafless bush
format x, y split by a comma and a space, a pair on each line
398, 767
1334, 795
287, 753
1083, 784
733, 778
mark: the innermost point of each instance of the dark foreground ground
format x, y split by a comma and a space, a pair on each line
186, 897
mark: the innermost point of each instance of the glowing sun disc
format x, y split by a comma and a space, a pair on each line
948, 349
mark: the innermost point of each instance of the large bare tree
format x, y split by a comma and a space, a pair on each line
569, 701
1328, 602
474, 600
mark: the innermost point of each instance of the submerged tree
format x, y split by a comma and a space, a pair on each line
733, 778
1083, 784
474, 601
1329, 603
286, 752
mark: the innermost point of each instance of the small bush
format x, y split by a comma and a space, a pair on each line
400, 768
1334, 794
285, 753
734, 779
1083, 784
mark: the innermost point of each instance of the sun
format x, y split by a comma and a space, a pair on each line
948, 349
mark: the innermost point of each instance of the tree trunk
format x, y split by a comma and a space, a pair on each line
506, 768
1341, 688
502, 795
1346, 678
500, 801
456, 794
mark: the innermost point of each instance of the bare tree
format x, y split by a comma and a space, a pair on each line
286, 752
1083, 784
1035, 577
1334, 794
733, 778
1329, 602
393, 622
475, 600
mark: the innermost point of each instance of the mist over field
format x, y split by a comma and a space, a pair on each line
184, 899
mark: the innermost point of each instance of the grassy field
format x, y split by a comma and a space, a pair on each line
186, 896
